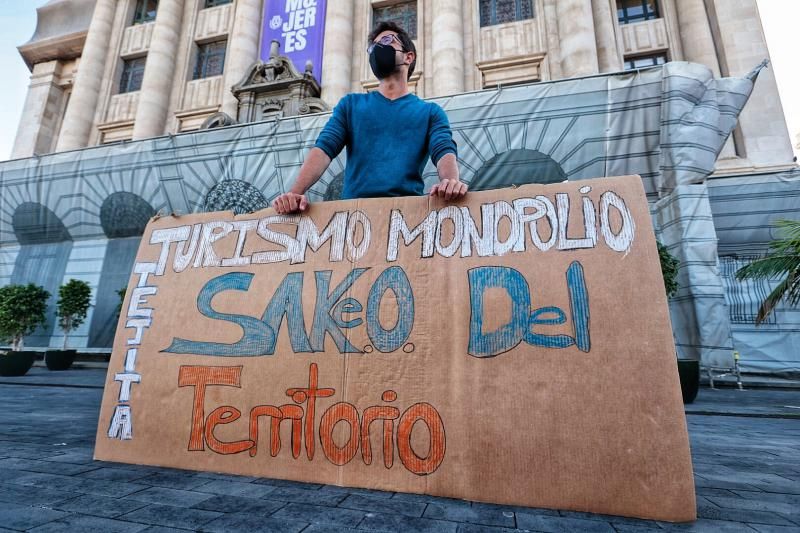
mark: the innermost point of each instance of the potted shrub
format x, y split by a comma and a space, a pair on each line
688, 369
71, 309
22, 310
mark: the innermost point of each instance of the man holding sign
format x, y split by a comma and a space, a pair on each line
389, 134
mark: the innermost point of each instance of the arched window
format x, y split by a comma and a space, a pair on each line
123, 217
234, 195
517, 167
42, 260
335, 188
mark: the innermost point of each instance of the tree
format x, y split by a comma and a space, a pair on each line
72, 305
121, 293
782, 260
669, 270
22, 310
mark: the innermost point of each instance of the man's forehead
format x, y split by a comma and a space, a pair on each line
387, 32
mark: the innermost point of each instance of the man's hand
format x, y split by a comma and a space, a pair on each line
290, 202
449, 189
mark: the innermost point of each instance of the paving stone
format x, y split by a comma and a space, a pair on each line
477, 528
175, 497
770, 497
288, 484
76, 457
460, 513
718, 483
298, 495
323, 528
368, 493
786, 509
100, 506
239, 504
712, 512
66, 469
513, 509
20, 517
44, 480
112, 489
9, 475
382, 505
764, 528
77, 484
606, 518
708, 491
235, 488
47, 467
228, 477
89, 524
636, 528
170, 516
708, 526
247, 523
320, 514
406, 524
180, 481
31, 454
34, 496
559, 524
427, 498
115, 474
162, 529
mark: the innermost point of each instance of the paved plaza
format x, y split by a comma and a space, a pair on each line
745, 448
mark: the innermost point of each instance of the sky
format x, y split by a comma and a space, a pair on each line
18, 22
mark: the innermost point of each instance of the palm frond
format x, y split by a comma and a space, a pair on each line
771, 301
783, 260
769, 267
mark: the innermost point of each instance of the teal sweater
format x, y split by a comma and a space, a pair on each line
388, 143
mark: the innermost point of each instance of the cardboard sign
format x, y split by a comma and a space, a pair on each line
513, 348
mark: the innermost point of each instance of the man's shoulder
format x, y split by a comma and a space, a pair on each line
356, 98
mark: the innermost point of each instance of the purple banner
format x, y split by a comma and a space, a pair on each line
299, 27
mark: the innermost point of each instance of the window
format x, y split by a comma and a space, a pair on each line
215, 3
403, 14
145, 11
210, 60
132, 74
632, 63
629, 11
501, 11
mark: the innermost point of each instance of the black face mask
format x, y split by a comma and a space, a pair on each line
382, 60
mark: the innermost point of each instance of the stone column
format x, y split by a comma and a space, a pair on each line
40, 112
242, 50
337, 53
609, 57
151, 113
79, 116
447, 48
696, 37
553, 47
576, 32
764, 139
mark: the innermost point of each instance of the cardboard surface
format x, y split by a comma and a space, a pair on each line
518, 350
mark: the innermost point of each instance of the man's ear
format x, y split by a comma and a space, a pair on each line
408, 61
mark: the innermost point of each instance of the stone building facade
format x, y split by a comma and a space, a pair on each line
105, 71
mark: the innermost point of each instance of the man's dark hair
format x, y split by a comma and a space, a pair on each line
405, 39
